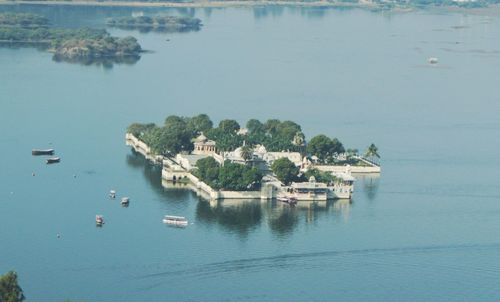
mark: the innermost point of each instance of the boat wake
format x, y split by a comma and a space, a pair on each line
315, 260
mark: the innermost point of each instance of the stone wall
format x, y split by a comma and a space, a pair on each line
140, 147
353, 169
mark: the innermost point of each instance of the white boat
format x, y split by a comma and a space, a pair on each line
125, 201
53, 160
99, 220
287, 199
175, 220
112, 194
432, 60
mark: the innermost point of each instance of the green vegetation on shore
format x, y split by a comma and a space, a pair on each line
10, 291
177, 135
23, 20
174, 136
157, 23
67, 44
230, 176
285, 170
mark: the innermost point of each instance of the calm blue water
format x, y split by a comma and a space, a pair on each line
426, 230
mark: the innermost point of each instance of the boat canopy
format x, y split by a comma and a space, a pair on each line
170, 217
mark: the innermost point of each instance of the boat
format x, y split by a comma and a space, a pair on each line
99, 220
42, 152
175, 220
288, 200
432, 60
53, 160
112, 194
125, 201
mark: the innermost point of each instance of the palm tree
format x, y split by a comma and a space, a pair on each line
246, 152
372, 153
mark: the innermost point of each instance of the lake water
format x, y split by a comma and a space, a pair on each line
427, 229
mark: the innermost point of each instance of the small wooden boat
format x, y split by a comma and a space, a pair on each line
53, 160
125, 201
99, 220
112, 194
175, 220
42, 152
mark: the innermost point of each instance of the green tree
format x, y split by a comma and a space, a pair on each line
229, 126
287, 130
337, 146
236, 177
285, 170
271, 126
246, 152
324, 147
207, 169
320, 176
321, 146
200, 123
372, 153
225, 140
10, 291
138, 130
254, 126
175, 121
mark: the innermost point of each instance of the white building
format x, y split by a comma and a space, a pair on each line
202, 145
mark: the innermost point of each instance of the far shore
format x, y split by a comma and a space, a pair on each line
490, 10
200, 4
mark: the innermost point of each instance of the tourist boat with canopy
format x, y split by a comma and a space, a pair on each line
175, 220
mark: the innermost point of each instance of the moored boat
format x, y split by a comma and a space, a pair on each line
53, 160
99, 220
175, 220
125, 201
287, 199
432, 60
42, 152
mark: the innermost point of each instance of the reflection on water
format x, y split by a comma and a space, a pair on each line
240, 217
144, 29
283, 220
106, 62
152, 174
370, 184
17, 45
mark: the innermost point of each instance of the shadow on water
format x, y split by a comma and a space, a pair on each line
152, 173
240, 217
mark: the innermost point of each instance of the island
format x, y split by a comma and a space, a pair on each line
156, 23
73, 45
270, 160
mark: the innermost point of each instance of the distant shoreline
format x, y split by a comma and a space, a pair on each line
200, 4
491, 9
205, 4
